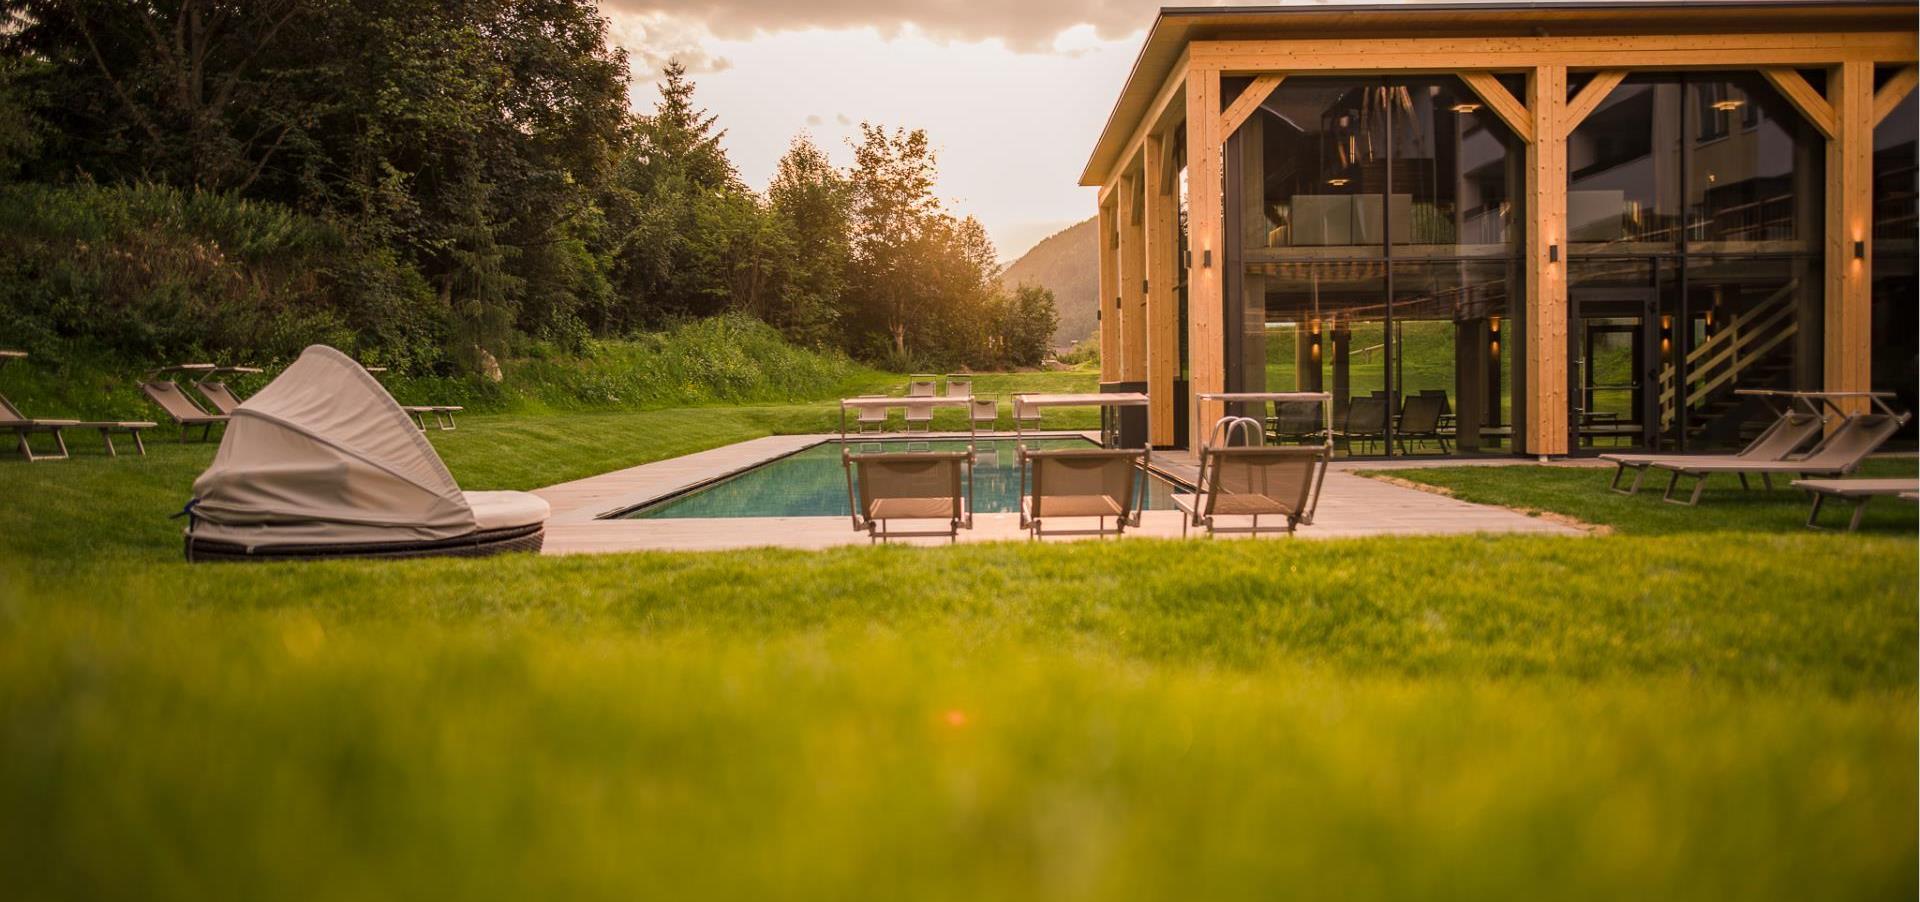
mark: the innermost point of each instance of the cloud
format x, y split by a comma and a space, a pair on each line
1023, 25
653, 38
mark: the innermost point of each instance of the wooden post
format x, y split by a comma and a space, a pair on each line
1110, 345
1133, 273
1848, 357
1163, 308
1546, 261
1206, 336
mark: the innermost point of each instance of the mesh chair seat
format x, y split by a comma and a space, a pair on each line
1254, 481
913, 508
1082, 482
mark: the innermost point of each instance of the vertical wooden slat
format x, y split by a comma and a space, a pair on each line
1206, 366
1163, 308
1133, 272
1110, 349
1546, 299
1848, 350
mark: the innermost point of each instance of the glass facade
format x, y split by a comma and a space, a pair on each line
1695, 212
1377, 259
1896, 225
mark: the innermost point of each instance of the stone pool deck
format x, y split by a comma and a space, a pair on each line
1350, 505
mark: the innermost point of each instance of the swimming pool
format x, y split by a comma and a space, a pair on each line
811, 483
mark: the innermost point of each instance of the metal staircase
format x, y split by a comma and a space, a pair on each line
1752, 350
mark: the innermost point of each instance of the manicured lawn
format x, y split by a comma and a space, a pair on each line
1724, 710
1581, 492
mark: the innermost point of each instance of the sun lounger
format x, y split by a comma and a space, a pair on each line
909, 485
1253, 482
1025, 416
1081, 483
985, 412
1839, 455
25, 427
920, 416
959, 386
1366, 421
1777, 442
219, 394
922, 387
1420, 422
1855, 492
871, 419
442, 413
181, 409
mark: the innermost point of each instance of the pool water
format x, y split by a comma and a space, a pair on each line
811, 483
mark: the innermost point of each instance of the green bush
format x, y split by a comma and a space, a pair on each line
150, 274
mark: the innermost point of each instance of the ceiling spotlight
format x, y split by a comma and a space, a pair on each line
1466, 107
1729, 105
1336, 182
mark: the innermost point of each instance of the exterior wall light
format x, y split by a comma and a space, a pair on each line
1553, 253
1859, 250
1206, 258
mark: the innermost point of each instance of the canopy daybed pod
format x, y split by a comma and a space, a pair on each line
323, 463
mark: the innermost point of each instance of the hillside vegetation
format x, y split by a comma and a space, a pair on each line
1066, 263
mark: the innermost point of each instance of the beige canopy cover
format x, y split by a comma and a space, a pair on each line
323, 455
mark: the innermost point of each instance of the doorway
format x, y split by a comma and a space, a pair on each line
1612, 368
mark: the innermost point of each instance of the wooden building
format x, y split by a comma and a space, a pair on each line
1568, 226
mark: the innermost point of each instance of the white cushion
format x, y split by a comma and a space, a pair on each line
505, 510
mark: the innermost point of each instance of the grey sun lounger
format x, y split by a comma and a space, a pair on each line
1253, 481
1100, 484
922, 486
25, 427
1785, 436
181, 409
1839, 455
1855, 492
219, 393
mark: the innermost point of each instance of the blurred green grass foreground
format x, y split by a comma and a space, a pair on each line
1725, 711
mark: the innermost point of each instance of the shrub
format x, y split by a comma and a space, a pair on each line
151, 274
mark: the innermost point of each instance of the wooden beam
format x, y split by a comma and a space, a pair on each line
1248, 103
1171, 92
1848, 353
1803, 97
1546, 263
1512, 54
1888, 98
1590, 97
1109, 289
1511, 111
1132, 289
1206, 336
1163, 307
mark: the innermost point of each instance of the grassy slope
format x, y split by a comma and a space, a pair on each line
1688, 715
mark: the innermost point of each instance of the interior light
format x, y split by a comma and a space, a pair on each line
1728, 105
1466, 107
1336, 182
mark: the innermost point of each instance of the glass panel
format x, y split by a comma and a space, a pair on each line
1896, 291
1455, 161
1321, 147
1747, 323
1754, 183
1447, 349
1624, 167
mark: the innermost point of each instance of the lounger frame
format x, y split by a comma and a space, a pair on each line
477, 544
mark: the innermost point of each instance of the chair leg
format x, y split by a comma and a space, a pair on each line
1766, 479
1744, 486
139, 444
1619, 470
1813, 516
106, 435
1859, 510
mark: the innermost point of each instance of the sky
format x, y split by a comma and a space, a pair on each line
1012, 93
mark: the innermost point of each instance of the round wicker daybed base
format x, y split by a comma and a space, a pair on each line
478, 544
